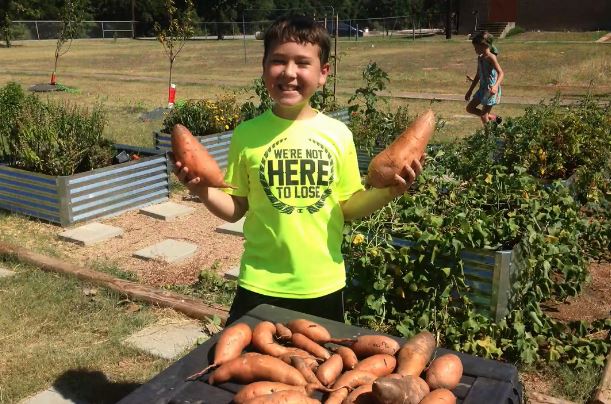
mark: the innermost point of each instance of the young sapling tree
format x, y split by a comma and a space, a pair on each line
72, 16
173, 37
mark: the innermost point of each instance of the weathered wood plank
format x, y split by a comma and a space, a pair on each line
602, 395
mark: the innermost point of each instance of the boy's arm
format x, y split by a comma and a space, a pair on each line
364, 203
227, 207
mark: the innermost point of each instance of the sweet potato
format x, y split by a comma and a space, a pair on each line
416, 353
368, 345
229, 346
403, 151
283, 397
338, 396
444, 372
193, 155
283, 333
348, 381
407, 390
310, 361
360, 395
252, 368
310, 329
330, 369
348, 356
380, 364
263, 339
353, 378
301, 341
257, 389
299, 364
439, 396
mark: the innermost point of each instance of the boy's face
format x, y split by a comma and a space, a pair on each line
292, 73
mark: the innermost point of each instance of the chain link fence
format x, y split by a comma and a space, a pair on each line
396, 26
47, 29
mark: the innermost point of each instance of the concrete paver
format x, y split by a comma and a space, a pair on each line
91, 233
233, 273
167, 340
5, 273
50, 396
167, 211
236, 228
168, 250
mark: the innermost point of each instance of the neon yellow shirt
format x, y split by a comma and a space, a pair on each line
294, 174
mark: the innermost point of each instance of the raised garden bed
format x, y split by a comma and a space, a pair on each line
488, 274
102, 192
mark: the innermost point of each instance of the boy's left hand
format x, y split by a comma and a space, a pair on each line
494, 89
402, 184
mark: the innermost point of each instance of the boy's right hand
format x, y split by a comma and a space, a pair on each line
468, 96
182, 173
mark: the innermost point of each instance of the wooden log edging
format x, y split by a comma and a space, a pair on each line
602, 395
538, 398
189, 306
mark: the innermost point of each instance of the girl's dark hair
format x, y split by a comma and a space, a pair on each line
485, 38
300, 29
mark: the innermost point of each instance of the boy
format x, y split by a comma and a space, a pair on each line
296, 179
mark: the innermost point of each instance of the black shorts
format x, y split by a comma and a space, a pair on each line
330, 306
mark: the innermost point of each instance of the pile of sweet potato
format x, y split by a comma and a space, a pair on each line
287, 363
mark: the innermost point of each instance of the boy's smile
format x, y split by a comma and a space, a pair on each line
292, 73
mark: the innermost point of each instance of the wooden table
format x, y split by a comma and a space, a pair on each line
484, 381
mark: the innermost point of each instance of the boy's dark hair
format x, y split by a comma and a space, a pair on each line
300, 29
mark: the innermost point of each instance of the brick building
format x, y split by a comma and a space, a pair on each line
544, 15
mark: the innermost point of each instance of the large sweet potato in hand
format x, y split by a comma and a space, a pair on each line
403, 151
193, 155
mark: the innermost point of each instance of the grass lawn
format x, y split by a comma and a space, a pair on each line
130, 77
54, 334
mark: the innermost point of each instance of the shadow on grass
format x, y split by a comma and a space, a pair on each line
86, 386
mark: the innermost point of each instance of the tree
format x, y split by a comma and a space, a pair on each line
72, 15
9, 10
174, 36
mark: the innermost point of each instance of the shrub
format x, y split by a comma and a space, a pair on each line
515, 31
51, 138
12, 98
550, 141
204, 117
60, 139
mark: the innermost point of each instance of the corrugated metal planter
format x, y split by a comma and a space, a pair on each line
488, 274
218, 143
76, 198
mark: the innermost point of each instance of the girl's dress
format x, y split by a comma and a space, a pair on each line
487, 78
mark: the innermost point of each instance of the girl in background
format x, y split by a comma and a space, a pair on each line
489, 75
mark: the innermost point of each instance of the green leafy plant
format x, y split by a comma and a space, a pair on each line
422, 285
252, 108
